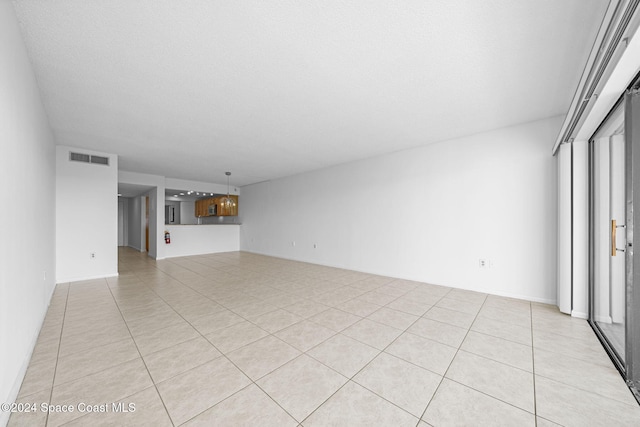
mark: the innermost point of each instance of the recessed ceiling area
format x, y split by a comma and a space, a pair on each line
187, 195
268, 89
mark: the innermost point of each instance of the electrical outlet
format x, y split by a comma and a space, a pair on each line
293, 243
92, 255
485, 263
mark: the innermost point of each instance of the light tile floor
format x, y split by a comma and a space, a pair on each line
241, 339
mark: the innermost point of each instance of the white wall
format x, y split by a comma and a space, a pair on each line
86, 217
426, 214
27, 169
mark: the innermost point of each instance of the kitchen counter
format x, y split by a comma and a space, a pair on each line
199, 239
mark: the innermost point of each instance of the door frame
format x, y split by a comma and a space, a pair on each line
632, 315
146, 222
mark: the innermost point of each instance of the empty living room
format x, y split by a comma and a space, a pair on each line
320, 213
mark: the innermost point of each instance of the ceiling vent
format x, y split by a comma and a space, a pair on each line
87, 158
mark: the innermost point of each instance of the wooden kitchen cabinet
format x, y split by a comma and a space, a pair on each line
202, 207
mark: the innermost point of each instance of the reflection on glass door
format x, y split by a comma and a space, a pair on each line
609, 231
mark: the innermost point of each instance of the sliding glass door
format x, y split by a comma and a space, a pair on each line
609, 231
614, 158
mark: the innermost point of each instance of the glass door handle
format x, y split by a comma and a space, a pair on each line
613, 237
614, 227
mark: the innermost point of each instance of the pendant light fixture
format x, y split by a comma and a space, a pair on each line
228, 203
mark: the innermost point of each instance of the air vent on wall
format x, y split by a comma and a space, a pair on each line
100, 160
87, 158
79, 157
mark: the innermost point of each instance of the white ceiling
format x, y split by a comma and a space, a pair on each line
191, 89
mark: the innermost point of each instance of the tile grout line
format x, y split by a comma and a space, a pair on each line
374, 358
452, 359
227, 307
349, 379
383, 351
305, 352
201, 335
490, 359
484, 357
141, 358
64, 315
253, 382
223, 355
494, 360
